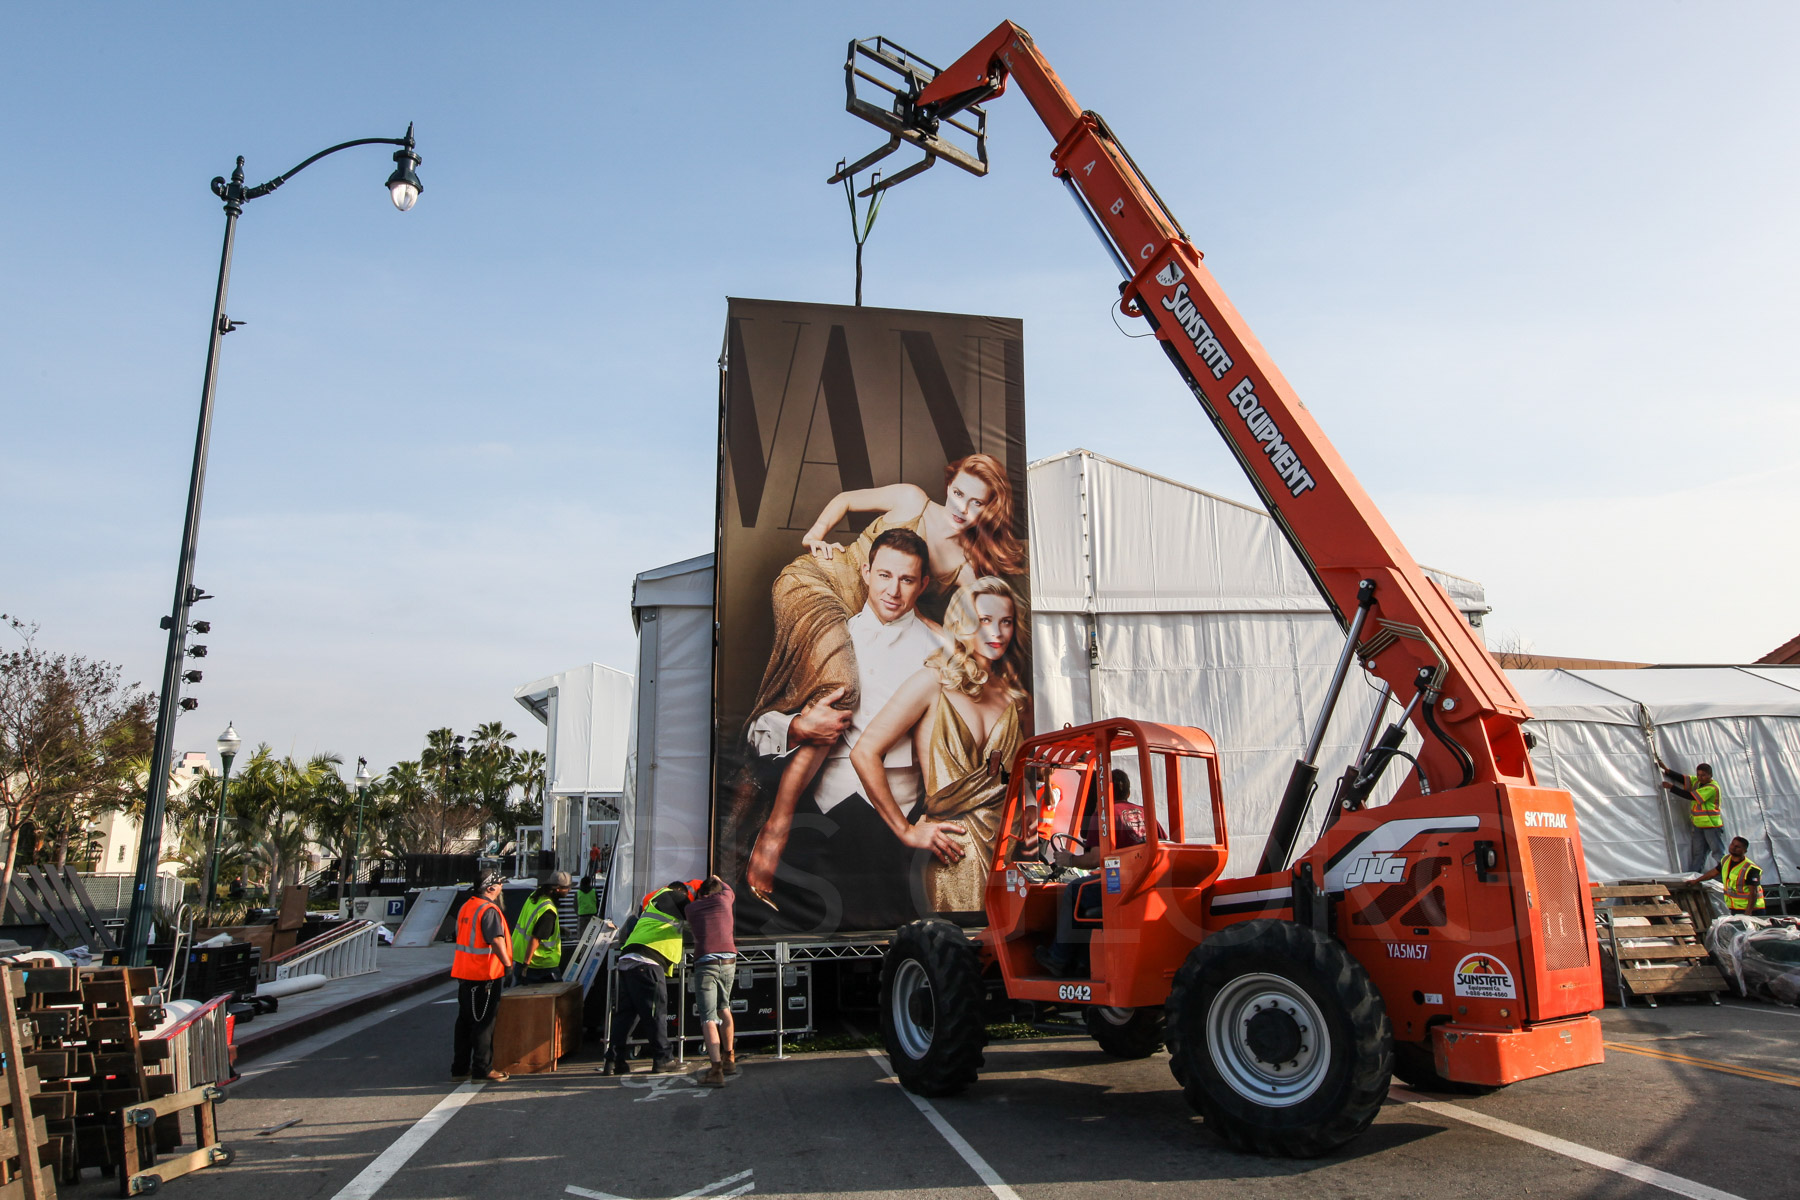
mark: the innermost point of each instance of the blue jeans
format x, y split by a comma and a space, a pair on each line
1708, 841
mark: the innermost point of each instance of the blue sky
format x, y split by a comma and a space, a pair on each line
1531, 265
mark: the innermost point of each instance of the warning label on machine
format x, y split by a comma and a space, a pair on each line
1484, 977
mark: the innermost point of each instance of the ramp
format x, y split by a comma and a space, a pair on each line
420, 928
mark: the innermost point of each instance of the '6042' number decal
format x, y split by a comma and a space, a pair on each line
1074, 991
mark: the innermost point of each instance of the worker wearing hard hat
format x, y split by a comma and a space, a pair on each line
483, 958
1741, 877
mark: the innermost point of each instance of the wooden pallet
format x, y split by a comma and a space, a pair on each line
1653, 944
27, 1153
80, 1031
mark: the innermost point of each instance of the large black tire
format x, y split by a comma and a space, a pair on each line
931, 1008
1126, 1032
1416, 1067
1279, 1039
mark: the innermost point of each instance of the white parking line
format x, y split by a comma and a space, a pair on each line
978, 1164
388, 1163
1568, 1149
1761, 1008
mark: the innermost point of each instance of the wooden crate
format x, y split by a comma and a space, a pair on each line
1652, 943
537, 1025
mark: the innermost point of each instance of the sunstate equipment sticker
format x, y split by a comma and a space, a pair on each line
1483, 977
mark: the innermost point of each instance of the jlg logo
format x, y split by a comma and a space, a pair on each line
1546, 820
1376, 868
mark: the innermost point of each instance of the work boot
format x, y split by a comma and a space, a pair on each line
1051, 961
490, 1077
730, 1065
714, 1076
662, 1066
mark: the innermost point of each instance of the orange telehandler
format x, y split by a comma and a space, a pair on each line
1445, 936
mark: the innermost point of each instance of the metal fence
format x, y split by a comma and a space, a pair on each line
111, 894
199, 1047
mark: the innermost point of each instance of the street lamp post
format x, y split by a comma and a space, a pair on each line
229, 741
404, 187
363, 779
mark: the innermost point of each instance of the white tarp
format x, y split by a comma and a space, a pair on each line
1595, 732
1151, 599
664, 815
1157, 600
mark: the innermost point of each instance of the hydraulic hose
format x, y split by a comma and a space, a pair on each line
1455, 747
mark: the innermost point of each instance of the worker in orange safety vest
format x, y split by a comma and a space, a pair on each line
483, 958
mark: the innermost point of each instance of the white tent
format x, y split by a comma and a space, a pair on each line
1151, 599
664, 813
586, 711
1595, 736
1155, 599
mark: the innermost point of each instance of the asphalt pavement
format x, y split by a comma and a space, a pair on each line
1692, 1100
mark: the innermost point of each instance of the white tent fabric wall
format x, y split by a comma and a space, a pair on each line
586, 711
1155, 599
1595, 731
664, 824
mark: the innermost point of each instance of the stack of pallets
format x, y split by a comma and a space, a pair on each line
79, 1035
1651, 940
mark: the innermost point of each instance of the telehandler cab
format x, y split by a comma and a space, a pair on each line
1446, 936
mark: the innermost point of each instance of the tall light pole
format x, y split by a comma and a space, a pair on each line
404, 187
363, 779
229, 741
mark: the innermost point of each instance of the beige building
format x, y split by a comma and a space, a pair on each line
118, 832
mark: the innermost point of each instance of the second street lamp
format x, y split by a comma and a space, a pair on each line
403, 185
363, 779
229, 741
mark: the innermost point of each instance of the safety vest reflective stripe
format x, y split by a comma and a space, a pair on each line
549, 951
1740, 894
656, 930
1704, 807
474, 958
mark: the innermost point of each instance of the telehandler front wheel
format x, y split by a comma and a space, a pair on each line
1126, 1032
931, 1008
1279, 1039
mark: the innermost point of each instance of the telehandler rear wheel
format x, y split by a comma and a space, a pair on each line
1126, 1032
1279, 1039
931, 1008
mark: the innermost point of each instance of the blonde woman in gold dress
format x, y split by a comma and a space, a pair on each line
967, 712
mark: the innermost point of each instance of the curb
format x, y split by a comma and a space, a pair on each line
257, 1044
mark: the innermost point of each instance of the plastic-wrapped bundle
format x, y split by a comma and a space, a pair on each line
1760, 954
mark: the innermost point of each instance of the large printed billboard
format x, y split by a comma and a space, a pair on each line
872, 668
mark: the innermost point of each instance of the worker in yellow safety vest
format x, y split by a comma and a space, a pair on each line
587, 900
537, 941
650, 949
1741, 877
1702, 794
483, 957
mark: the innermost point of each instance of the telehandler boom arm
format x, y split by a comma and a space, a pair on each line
1402, 625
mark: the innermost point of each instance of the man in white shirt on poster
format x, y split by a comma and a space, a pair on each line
843, 868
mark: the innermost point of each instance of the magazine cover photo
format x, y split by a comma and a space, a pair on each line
872, 669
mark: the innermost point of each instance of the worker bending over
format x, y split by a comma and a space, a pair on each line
483, 958
648, 957
1702, 795
1741, 877
715, 962
537, 942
